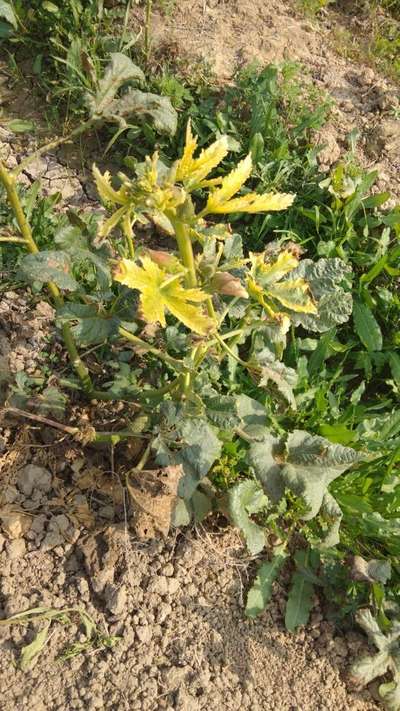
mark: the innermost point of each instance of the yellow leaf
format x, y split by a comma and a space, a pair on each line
184, 166
266, 285
106, 191
294, 294
268, 273
160, 292
108, 225
192, 171
257, 292
255, 203
230, 185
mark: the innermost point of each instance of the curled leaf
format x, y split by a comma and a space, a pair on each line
245, 499
226, 283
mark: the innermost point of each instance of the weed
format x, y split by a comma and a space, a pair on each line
94, 639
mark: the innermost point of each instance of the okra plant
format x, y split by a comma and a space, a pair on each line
209, 323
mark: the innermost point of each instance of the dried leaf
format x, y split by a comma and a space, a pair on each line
136, 103
154, 497
371, 571
119, 71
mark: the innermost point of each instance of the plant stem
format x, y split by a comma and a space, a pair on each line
17, 240
98, 437
147, 29
186, 252
51, 146
9, 183
174, 362
232, 354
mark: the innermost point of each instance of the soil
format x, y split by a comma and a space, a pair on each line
177, 604
225, 35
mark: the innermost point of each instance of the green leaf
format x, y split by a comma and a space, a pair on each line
221, 411
233, 248
332, 511
250, 411
32, 650
300, 599
390, 693
339, 433
244, 499
7, 12
330, 281
87, 326
394, 362
312, 463
367, 327
52, 402
307, 464
182, 514
371, 571
263, 458
119, 71
50, 7
199, 448
283, 377
201, 505
371, 628
20, 126
6, 30
387, 659
366, 669
48, 265
260, 593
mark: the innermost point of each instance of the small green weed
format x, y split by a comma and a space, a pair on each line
94, 638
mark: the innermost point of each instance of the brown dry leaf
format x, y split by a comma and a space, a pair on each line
14, 523
94, 478
154, 495
81, 515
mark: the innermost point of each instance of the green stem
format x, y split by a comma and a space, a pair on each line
174, 362
210, 308
186, 252
9, 183
232, 354
115, 437
51, 146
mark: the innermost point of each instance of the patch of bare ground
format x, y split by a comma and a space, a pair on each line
227, 35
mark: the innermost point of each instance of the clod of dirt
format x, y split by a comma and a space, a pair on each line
33, 477
100, 554
385, 137
330, 150
16, 549
14, 523
115, 599
154, 495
